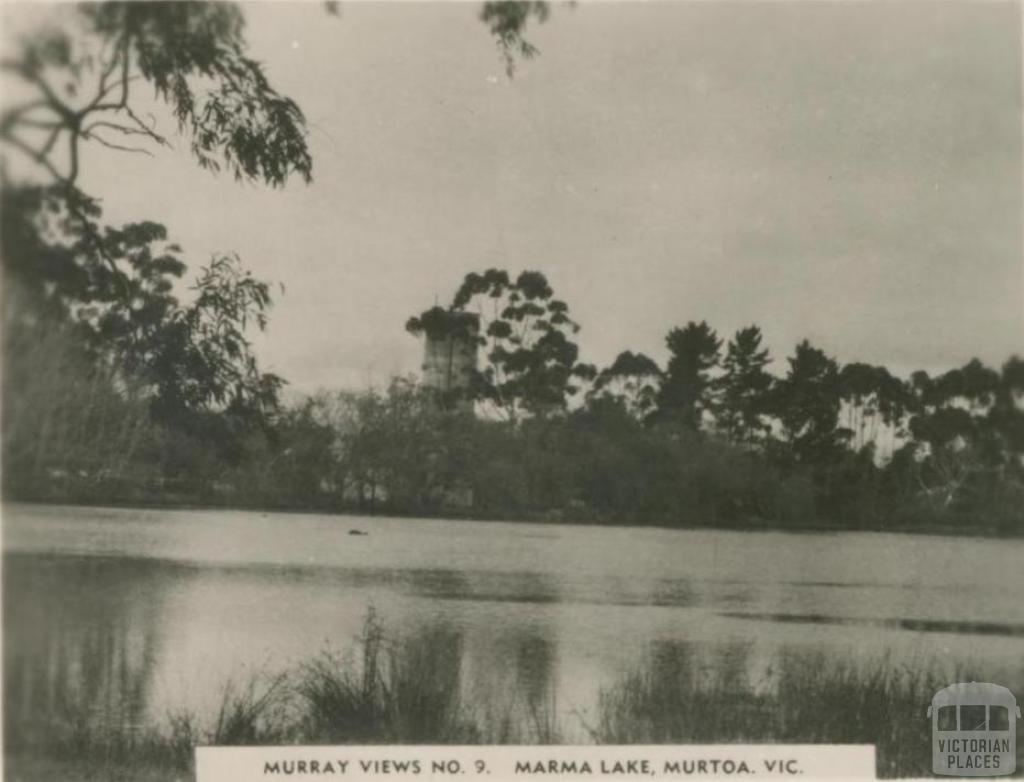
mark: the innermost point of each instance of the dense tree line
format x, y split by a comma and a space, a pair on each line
712, 438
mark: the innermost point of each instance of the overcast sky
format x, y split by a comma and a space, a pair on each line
847, 172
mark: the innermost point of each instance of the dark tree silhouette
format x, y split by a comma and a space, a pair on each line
807, 402
688, 390
632, 381
1006, 419
744, 387
973, 384
872, 397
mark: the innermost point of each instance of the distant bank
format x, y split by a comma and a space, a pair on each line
575, 516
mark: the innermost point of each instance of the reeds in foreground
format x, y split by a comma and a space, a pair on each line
410, 691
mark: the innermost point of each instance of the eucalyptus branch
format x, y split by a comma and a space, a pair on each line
93, 136
123, 129
145, 129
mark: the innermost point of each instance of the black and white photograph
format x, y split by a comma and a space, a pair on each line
491, 390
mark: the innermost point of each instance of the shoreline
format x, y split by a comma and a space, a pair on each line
539, 518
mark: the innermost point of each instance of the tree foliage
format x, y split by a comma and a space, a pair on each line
807, 401
632, 381
507, 21
873, 398
688, 391
201, 357
744, 388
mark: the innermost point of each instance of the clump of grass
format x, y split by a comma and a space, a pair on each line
254, 714
338, 706
180, 740
823, 701
405, 692
808, 699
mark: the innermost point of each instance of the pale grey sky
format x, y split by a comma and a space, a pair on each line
846, 172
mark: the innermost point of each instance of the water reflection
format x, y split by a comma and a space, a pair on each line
727, 665
81, 643
98, 644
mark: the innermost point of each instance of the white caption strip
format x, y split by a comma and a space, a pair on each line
498, 764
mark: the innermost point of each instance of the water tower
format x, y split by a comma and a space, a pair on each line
449, 352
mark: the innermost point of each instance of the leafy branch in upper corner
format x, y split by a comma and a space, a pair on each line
192, 54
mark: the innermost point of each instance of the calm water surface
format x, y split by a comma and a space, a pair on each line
160, 609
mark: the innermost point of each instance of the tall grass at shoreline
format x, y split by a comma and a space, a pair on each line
410, 691
398, 693
807, 700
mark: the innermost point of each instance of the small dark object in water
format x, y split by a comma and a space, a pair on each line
357, 532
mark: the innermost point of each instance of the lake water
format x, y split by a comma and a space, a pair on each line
157, 610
